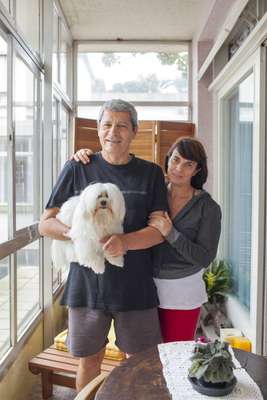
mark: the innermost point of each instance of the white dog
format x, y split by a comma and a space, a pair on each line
97, 212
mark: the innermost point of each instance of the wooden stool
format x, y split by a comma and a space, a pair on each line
59, 368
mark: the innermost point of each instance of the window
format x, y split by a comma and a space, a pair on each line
28, 285
64, 57
26, 168
6, 4
156, 82
55, 46
27, 17
60, 156
61, 54
19, 193
3, 142
5, 340
239, 110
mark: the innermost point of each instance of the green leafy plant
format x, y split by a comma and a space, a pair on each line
212, 362
217, 278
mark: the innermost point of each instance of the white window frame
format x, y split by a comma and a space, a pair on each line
251, 324
22, 237
67, 96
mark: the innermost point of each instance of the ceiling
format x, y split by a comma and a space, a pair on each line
136, 19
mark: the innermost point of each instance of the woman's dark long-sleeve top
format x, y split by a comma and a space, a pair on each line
193, 241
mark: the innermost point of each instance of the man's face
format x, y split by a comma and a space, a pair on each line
115, 132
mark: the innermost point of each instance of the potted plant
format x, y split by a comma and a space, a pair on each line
211, 372
217, 278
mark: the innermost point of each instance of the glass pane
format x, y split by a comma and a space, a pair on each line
55, 46
240, 108
6, 4
26, 167
3, 142
63, 154
5, 340
144, 113
133, 76
28, 284
64, 58
27, 16
55, 140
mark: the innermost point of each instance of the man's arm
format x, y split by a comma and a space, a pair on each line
144, 238
50, 226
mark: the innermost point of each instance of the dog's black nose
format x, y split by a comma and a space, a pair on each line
103, 203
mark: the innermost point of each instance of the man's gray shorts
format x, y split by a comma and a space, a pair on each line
135, 330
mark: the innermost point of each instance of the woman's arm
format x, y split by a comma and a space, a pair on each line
204, 249
145, 238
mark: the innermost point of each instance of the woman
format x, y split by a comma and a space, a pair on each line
192, 230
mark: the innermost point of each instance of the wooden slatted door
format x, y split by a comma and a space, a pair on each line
86, 134
151, 143
167, 134
142, 146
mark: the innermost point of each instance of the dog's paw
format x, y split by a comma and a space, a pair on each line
99, 267
117, 261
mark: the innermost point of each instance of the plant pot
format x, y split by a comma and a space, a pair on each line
212, 389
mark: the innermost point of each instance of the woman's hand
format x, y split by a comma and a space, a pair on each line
82, 155
162, 223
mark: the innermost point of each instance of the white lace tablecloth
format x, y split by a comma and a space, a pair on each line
175, 359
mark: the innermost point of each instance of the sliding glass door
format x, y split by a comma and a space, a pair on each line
241, 161
239, 114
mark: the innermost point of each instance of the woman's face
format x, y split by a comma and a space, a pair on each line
181, 170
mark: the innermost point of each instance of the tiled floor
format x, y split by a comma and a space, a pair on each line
59, 393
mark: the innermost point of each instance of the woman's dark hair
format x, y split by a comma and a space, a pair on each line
191, 149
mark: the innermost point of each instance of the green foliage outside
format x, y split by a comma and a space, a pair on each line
149, 83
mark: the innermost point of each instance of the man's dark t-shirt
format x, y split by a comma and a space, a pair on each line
143, 187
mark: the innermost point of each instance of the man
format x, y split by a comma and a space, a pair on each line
127, 294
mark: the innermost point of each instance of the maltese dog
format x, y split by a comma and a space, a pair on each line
97, 212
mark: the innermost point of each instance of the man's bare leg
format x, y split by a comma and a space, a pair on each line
88, 368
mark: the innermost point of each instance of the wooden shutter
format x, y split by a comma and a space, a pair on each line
86, 134
143, 144
167, 134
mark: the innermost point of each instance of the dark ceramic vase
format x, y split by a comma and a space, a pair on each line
212, 389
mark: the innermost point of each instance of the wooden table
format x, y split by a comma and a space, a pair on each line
140, 377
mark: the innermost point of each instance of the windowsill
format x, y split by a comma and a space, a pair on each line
208, 331
239, 315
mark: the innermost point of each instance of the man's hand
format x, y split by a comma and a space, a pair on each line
162, 223
82, 155
114, 245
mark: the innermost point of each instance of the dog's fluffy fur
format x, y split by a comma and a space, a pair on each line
97, 212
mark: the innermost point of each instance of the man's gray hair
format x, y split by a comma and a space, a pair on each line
120, 106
